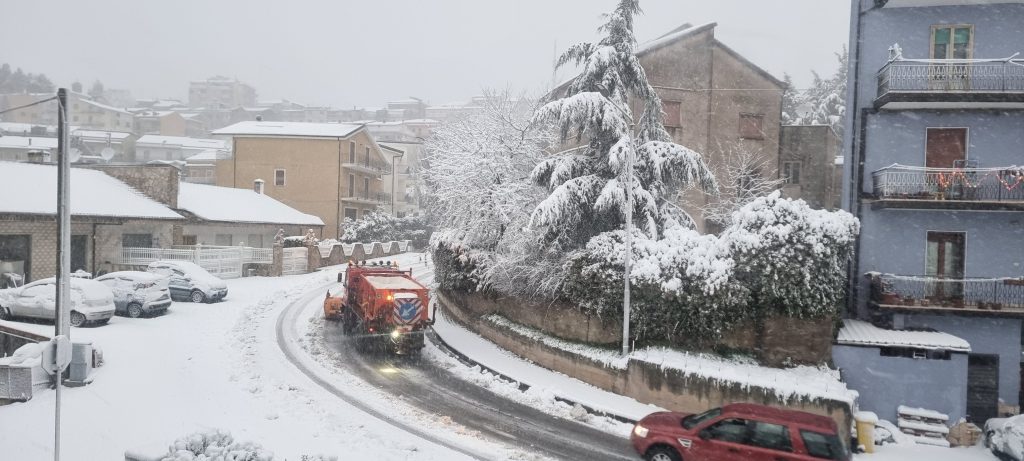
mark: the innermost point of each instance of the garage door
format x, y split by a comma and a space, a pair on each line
982, 387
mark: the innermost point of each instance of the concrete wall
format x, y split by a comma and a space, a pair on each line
815, 147
158, 182
885, 383
646, 382
108, 240
986, 336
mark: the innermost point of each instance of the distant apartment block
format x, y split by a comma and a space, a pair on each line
221, 92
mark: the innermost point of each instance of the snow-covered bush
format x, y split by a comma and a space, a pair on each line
456, 266
779, 257
791, 257
215, 445
381, 226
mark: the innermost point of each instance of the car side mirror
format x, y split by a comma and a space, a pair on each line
704, 434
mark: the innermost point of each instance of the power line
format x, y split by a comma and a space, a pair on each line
27, 105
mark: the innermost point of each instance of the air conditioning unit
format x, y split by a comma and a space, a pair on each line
15, 382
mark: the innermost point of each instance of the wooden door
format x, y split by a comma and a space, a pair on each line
982, 387
944, 146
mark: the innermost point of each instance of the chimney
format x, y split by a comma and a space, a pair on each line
257, 186
38, 156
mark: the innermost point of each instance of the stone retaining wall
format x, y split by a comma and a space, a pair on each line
646, 382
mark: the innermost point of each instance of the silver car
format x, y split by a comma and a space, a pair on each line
189, 282
91, 301
137, 293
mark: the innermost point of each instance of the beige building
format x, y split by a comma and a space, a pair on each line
715, 102
329, 170
221, 93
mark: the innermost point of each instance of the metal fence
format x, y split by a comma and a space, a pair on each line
383, 198
221, 261
295, 261
930, 292
951, 76
968, 184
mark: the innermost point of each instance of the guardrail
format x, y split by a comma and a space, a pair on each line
951, 76
968, 184
376, 197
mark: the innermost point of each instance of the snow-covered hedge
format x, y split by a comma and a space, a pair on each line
381, 226
779, 257
218, 445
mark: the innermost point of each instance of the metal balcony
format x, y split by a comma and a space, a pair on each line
992, 296
368, 198
373, 168
951, 84
983, 189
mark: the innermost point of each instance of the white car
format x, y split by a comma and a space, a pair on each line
138, 293
189, 282
91, 301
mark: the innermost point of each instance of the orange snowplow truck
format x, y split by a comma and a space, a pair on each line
384, 307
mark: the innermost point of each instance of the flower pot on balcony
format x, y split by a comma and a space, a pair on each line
891, 299
958, 303
1014, 282
996, 306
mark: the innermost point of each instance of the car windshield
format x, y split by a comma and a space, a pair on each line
693, 421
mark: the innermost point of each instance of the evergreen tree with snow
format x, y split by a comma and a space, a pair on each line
791, 100
587, 183
827, 96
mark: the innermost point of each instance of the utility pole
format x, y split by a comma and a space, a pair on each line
629, 245
62, 324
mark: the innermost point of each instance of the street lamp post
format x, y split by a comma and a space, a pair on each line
394, 174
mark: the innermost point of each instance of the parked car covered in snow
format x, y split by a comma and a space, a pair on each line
138, 293
189, 282
738, 431
91, 301
1005, 437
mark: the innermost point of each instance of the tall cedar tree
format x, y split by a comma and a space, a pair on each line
587, 183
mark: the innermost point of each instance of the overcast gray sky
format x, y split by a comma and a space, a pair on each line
348, 53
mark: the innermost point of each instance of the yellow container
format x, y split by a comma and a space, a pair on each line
866, 421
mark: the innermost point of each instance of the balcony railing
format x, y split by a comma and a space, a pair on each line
939, 293
381, 198
951, 76
1004, 184
369, 167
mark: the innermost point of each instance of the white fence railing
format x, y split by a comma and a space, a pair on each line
221, 261
295, 261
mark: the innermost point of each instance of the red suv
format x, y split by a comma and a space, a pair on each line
738, 432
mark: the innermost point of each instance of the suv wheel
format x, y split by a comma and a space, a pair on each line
662, 453
77, 319
197, 296
135, 310
4, 314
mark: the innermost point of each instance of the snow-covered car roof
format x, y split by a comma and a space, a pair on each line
192, 269
91, 289
133, 275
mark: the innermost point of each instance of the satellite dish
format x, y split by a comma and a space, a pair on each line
74, 154
107, 153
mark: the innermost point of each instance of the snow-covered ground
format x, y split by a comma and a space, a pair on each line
203, 366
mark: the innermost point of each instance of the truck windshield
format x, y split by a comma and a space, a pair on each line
693, 421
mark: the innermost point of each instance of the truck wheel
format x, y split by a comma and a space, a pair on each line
135, 310
662, 453
197, 296
77, 319
4, 314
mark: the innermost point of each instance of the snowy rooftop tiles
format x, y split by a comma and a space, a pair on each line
227, 204
184, 142
317, 130
32, 189
861, 333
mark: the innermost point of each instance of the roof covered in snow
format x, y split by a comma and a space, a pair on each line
228, 204
208, 155
27, 142
103, 135
181, 141
861, 333
32, 189
315, 130
685, 30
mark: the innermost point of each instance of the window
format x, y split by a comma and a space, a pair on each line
729, 430
945, 260
693, 421
278, 177
255, 240
791, 172
952, 41
672, 114
366, 186
15, 258
770, 436
136, 240
367, 155
350, 213
352, 152
351, 185
751, 126
188, 240
824, 446
223, 240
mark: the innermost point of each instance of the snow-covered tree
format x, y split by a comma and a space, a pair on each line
791, 101
791, 257
381, 226
588, 183
827, 96
745, 176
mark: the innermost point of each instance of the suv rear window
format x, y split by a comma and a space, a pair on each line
824, 446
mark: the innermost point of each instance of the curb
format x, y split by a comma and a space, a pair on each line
467, 360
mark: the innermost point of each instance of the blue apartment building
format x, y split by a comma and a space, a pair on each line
934, 169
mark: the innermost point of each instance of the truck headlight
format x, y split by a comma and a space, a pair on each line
395, 334
640, 431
